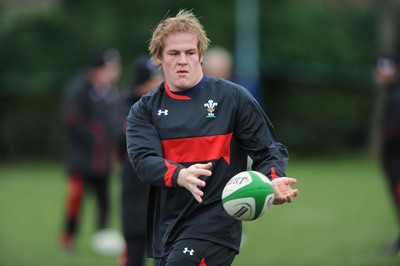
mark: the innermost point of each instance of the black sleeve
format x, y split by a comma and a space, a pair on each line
145, 150
257, 136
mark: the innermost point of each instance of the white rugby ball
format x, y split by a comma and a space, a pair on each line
247, 195
107, 242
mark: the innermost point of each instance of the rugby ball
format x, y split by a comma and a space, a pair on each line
247, 195
107, 242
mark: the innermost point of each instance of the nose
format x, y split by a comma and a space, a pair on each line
182, 59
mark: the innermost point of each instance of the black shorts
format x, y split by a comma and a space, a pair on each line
194, 252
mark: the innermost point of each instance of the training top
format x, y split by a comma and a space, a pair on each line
216, 121
88, 121
390, 129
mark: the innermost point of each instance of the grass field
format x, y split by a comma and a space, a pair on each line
341, 217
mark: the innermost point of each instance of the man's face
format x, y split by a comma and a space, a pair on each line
180, 61
103, 77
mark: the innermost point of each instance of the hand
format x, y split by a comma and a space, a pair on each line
283, 191
189, 179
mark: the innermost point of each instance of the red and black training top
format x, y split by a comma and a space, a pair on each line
216, 121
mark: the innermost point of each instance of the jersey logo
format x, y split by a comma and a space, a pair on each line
186, 250
161, 112
210, 105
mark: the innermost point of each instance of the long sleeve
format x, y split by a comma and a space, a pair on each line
257, 136
145, 150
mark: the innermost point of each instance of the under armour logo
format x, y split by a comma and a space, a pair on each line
161, 112
190, 251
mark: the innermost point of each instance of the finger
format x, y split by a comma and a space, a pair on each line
197, 182
278, 199
198, 198
203, 165
290, 180
277, 202
292, 195
203, 172
197, 194
200, 183
289, 199
194, 188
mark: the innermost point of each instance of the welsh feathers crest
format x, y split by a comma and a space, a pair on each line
210, 105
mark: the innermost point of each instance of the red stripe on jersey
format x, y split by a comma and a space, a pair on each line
75, 194
125, 126
198, 149
168, 175
173, 95
273, 173
203, 262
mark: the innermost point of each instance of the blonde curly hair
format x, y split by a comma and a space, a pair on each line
184, 21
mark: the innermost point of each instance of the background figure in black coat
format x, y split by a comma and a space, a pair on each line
387, 77
87, 114
134, 192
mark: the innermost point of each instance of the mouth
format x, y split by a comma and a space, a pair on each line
182, 72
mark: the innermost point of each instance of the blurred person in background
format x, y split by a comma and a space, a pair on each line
186, 139
386, 74
218, 62
88, 103
146, 76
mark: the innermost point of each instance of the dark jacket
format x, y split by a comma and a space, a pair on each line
88, 124
390, 129
134, 191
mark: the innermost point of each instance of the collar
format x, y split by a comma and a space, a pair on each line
186, 94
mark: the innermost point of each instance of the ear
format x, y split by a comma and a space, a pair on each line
157, 60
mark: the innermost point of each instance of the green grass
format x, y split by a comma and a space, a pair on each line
341, 217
